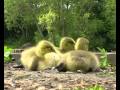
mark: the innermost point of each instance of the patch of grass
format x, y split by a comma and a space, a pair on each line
7, 52
96, 87
103, 59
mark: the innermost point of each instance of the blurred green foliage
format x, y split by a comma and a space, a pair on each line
33, 20
95, 87
7, 54
103, 59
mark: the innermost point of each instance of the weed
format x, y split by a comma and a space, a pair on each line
103, 59
7, 54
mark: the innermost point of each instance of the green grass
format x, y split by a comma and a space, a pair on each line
96, 87
7, 52
103, 59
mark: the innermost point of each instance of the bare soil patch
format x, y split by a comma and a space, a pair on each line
21, 79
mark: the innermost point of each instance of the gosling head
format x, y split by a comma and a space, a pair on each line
82, 44
44, 47
67, 44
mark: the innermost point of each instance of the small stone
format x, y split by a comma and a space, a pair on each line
41, 88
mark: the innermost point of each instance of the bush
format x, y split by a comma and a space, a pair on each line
103, 59
7, 52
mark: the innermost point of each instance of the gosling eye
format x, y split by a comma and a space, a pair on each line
71, 42
50, 49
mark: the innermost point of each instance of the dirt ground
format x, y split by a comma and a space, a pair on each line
21, 79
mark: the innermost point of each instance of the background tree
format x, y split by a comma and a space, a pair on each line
33, 20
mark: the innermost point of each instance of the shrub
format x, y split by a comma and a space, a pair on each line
103, 59
7, 52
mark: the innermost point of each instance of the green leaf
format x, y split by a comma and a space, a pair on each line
6, 54
103, 56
